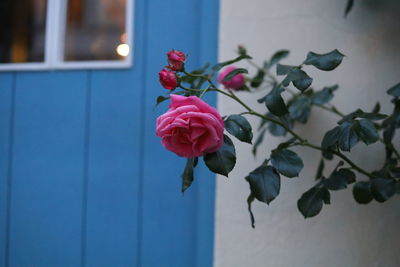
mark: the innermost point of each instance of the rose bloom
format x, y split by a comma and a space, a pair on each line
235, 83
191, 127
176, 59
168, 79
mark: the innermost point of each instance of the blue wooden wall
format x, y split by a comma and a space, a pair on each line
84, 181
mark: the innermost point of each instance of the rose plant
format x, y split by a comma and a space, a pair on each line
191, 128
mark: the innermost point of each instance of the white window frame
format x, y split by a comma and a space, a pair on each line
54, 44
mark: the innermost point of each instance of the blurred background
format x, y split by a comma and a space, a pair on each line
344, 233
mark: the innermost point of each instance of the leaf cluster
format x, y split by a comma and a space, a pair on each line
289, 100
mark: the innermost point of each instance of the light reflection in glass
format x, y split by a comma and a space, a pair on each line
94, 30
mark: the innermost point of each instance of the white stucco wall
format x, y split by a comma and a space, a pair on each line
345, 233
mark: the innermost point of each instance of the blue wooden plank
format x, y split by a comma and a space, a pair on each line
169, 220
113, 199
113, 183
46, 196
6, 107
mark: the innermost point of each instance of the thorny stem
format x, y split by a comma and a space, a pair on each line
302, 141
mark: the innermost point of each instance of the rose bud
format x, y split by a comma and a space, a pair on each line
242, 50
235, 83
176, 60
168, 79
191, 127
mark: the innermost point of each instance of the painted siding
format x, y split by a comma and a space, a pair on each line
344, 233
7, 97
84, 181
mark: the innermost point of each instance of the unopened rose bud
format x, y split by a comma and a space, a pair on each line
242, 50
176, 60
235, 83
168, 79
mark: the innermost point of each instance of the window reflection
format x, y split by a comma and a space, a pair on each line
95, 30
22, 30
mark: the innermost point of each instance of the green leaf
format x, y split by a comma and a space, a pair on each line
372, 116
325, 95
376, 108
287, 143
395, 171
287, 162
222, 161
239, 127
244, 87
331, 137
382, 189
300, 108
320, 169
362, 192
264, 183
283, 69
339, 179
229, 62
326, 196
276, 129
161, 99
361, 114
258, 79
250, 200
348, 137
366, 131
258, 142
394, 91
388, 134
299, 78
233, 73
242, 50
326, 62
349, 6
278, 56
391, 123
187, 175
274, 102
351, 116
327, 154
311, 202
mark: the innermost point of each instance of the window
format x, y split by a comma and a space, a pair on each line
63, 34
22, 31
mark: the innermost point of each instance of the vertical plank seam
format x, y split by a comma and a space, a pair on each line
86, 167
9, 170
142, 101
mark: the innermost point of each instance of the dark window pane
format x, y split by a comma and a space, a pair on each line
22, 30
95, 30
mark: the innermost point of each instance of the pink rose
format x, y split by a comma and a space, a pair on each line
235, 83
176, 59
168, 79
191, 127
